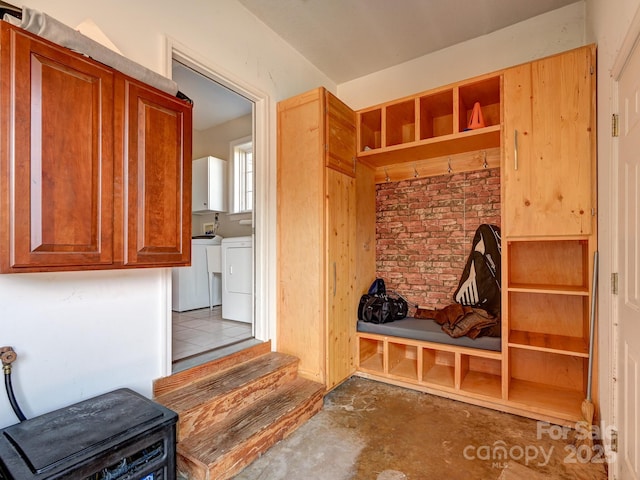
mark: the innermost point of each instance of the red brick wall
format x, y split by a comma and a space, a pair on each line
424, 229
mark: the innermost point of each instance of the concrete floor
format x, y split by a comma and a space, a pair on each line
372, 431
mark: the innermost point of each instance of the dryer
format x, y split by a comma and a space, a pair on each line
237, 279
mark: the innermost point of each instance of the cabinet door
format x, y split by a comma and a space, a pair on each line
549, 135
157, 206
340, 136
341, 312
57, 157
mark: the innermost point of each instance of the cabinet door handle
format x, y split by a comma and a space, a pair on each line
334, 279
515, 149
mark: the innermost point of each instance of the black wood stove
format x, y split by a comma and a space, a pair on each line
120, 435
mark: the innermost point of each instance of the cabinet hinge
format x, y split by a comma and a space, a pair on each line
614, 440
615, 125
614, 283
326, 147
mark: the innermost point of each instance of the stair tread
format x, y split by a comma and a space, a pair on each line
225, 381
210, 444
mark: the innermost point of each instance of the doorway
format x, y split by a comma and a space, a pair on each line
201, 330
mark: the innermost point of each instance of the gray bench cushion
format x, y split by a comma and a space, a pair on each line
429, 331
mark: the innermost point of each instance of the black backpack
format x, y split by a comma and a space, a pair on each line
480, 284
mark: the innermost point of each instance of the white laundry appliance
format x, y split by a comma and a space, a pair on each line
190, 285
237, 279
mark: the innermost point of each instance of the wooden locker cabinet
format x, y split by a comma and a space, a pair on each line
316, 235
69, 199
549, 137
549, 231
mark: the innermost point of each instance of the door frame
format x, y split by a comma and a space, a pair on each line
264, 202
611, 310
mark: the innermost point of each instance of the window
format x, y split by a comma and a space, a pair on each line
242, 175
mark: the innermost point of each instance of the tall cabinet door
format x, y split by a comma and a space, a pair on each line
340, 238
549, 137
157, 200
57, 167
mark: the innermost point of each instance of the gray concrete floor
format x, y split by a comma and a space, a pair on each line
372, 431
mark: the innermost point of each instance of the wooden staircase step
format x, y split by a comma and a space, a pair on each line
212, 398
164, 385
223, 449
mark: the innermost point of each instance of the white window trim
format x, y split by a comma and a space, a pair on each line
231, 172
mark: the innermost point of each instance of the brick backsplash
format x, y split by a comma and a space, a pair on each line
424, 230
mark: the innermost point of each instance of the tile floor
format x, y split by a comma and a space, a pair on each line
198, 331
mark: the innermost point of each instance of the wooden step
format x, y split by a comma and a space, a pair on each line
178, 380
210, 399
226, 447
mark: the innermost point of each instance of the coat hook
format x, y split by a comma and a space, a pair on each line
415, 171
484, 154
449, 169
386, 175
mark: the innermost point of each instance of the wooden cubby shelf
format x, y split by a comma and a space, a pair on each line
481, 376
431, 124
438, 367
578, 346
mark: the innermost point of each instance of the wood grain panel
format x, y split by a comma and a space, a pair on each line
158, 180
62, 167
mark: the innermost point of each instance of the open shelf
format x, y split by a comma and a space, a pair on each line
549, 369
547, 399
401, 123
481, 376
562, 344
473, 140
371, 353
436, 115
403, 360
438, 367
370, 129
431, 124
560, 265
487, 93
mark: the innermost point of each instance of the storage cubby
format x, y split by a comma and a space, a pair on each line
487, 93
403, 360
544, 264
370, 129
548, 381
371, 354
481, 376
559, 322
436, 115
401, 123
438, 367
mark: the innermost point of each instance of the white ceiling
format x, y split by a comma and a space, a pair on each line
347, 39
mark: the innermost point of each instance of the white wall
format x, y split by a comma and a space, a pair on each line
81, 334
538, 37
607, 27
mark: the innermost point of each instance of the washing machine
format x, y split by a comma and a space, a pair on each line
190, 285
237, 279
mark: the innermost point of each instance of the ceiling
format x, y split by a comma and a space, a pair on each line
347, 39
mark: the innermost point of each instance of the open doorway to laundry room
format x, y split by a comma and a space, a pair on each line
207, 322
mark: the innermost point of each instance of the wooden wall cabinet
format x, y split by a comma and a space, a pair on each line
549, 133
549, 230
92, 164
316, 235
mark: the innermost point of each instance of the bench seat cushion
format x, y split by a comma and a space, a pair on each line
428, 331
